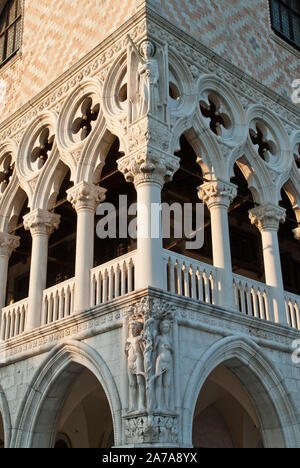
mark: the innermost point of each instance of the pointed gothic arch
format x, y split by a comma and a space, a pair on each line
5, 420
40, 409
263, 383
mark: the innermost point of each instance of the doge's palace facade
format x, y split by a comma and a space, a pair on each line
149, 345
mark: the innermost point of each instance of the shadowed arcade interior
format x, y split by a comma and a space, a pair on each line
224, 416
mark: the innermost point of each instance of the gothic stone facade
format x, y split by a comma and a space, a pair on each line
150, 343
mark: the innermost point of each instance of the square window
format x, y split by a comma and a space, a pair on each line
285, 20
10, 28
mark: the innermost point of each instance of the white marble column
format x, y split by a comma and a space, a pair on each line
149, 172
218, 195
84, 198
267, 218
41, 224
8, 244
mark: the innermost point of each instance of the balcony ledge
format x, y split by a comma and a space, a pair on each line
109, 316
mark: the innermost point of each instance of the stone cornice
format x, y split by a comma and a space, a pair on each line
110, 316
96, 61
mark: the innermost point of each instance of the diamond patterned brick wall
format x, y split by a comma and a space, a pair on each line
238, 30
57, 34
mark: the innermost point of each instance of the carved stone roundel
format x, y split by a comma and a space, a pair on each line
79, 116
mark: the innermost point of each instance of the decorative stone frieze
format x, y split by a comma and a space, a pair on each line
150, 132
8, 244
267, 217
86, 196
152, 429
217, 193
41, 222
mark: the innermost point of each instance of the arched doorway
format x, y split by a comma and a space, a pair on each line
85, 420
224, 415
250, 383
72, 402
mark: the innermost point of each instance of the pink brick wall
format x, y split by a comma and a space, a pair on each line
57, 34
239, 30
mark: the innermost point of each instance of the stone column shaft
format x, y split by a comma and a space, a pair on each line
267, 218
149, 170
84, 198
218, 195
41, 224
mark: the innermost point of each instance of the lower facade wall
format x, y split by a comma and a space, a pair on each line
213, 351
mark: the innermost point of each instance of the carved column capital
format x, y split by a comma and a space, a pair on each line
217, 193
152, 429
149, 166
267, 217
41, 222
85, 196
297, 233
8, 244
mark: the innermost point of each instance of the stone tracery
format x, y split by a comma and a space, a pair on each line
150, 346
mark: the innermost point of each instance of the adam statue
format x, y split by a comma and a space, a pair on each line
135, 361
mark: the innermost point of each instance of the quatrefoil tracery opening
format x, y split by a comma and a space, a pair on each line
6, 172
219, 121
40, 153
262, 139
89, 114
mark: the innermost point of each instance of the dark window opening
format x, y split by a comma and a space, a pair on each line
10, 29
245, 239
62, 242
19, 263
114, 182
289, 248
184, 189
285, 20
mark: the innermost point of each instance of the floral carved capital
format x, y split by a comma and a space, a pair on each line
267, 217
8, 244
148, 166
217, 193
85, 196
41, 222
